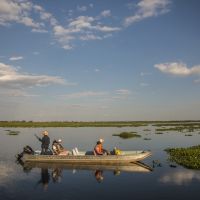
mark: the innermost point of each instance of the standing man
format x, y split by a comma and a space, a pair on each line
45, 142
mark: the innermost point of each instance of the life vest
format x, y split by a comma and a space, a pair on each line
98, 149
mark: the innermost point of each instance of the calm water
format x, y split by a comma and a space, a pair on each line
164, 182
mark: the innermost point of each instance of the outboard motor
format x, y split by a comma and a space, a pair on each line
26, 150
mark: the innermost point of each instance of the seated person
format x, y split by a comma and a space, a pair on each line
98, 149
58, 149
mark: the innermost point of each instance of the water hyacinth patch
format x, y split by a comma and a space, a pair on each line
187, 157
126, 135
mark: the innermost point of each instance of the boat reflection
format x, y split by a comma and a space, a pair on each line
54, 171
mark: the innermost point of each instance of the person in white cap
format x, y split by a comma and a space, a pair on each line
45, 140
58, 149
99, 150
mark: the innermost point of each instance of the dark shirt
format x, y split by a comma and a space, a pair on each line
45, 141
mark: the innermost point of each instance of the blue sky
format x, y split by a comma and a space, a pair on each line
99, 60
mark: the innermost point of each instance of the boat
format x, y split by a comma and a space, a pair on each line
125, 167
85, 158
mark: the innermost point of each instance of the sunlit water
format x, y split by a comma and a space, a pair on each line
164, 182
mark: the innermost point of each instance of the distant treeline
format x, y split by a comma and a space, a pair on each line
24, 123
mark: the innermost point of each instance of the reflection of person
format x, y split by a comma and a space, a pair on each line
58, 149
98, 149
99, 175
56, 175
45, 142
45, 178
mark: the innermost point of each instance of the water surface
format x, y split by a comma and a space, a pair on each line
51, 182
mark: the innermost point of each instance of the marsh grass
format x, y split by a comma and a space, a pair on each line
72, 124
187, 157
126, 135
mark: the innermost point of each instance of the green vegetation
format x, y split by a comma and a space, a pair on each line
188, 134
72, 124
126, 135
185, 126
159, 133
12, 132
187, 157
147, 138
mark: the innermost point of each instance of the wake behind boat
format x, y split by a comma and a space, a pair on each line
84, 158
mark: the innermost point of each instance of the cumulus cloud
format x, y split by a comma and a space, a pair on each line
79, 28
14, 58
146, 9
82, 28
17, 11
10, 77
85, 94
178, 69
106, 13
180, 177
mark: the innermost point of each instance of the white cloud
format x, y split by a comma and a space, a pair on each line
10, 77
180, 177
17, 11
146, 9
82, 28
85, 94
14, 58
90, 37
106, 13
81, 8
39, 30
16, 93
179, 69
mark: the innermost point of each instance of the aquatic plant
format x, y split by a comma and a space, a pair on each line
159, 133
187, 157
13, 132
147, 138
126, 135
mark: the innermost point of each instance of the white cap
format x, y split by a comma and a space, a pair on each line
45, 132
101, 140
59, 140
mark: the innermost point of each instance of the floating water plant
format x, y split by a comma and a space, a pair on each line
188, 134
146, 130
126, 135
187, 157
13, 133
147, 138
159, 133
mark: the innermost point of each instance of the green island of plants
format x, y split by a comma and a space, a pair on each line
12, 132
187, 157
126, 135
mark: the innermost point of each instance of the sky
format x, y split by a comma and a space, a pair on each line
99, 60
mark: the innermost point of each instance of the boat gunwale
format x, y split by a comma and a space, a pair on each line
88, 158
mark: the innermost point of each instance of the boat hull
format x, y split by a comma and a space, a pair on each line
126, 157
